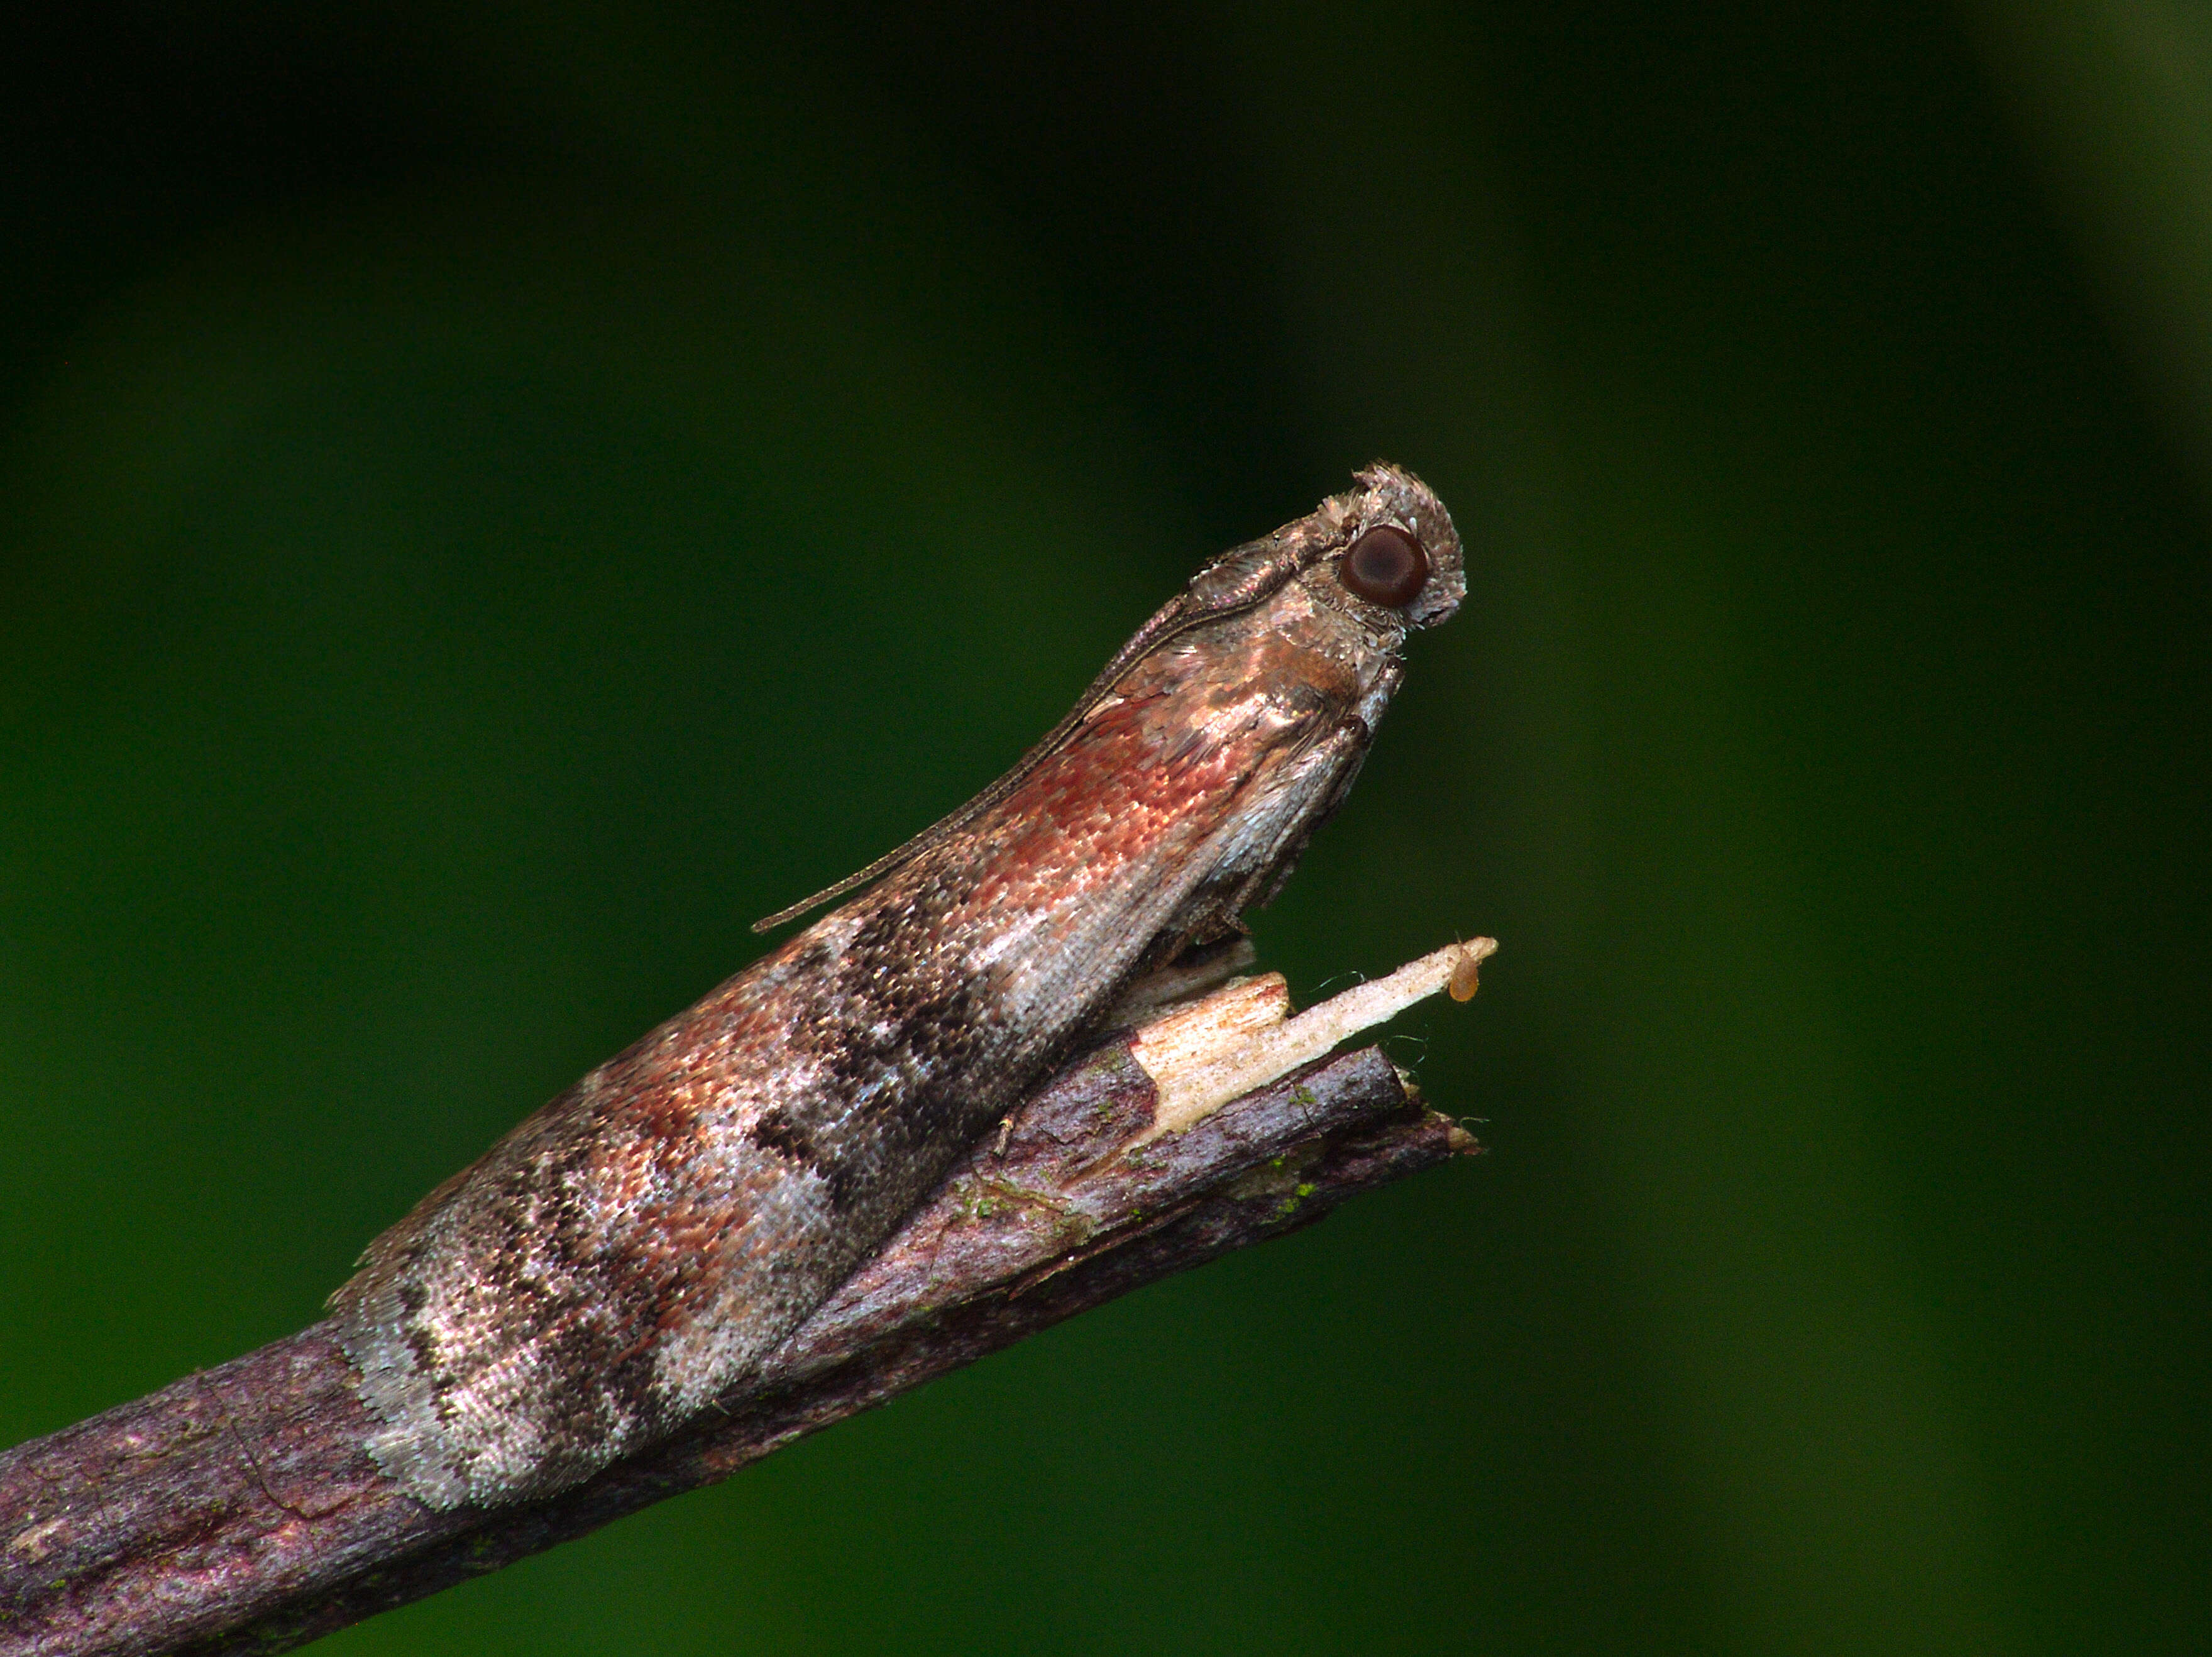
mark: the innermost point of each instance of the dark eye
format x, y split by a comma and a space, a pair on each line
1385, 566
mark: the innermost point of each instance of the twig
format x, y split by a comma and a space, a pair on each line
237, 1510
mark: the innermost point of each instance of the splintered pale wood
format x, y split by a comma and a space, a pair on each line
237, 1510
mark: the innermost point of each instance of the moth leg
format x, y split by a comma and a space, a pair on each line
1339, 758
1199, 969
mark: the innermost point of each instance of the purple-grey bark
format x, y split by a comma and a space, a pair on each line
237, 1510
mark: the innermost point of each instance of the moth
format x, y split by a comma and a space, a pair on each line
631, 1252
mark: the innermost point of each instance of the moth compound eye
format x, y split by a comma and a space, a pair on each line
1385, 566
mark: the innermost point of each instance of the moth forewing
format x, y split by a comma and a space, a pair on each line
630, 1253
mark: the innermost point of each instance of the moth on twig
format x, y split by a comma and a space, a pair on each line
637, 1249
238, 1511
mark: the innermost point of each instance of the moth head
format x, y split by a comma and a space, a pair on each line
1393, 550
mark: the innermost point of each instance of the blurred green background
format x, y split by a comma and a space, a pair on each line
494, 498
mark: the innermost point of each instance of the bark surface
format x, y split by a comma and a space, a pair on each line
237, 1510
